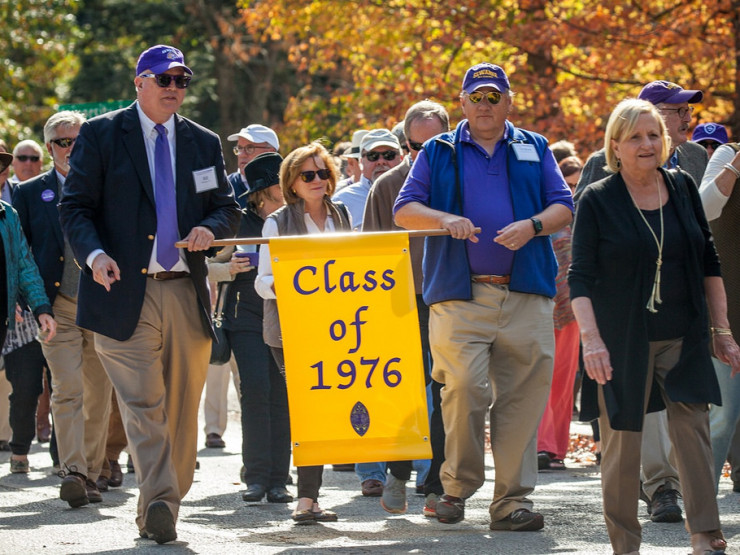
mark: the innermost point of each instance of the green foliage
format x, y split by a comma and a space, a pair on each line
37, 39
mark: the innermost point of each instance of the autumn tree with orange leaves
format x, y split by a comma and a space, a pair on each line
361, 64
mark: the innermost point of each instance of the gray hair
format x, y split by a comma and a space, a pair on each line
399, 130
60, 119
426, 109
28, 143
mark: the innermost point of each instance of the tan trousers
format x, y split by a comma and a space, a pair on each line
116, 441
498, 349
81, 393
215, 401
657, 460
158, 375
6, 389
688, 427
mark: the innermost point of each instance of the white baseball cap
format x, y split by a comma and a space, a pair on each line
257, 134
354, 150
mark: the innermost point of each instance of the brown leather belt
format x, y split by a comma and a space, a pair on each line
163, 276
492, 279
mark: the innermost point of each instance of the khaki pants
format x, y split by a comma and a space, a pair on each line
658, 461
158, 375
215, 400
495, 349
6, 433
81, 393
620, 460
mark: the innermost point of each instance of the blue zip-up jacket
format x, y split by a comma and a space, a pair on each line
22, 273
446, 268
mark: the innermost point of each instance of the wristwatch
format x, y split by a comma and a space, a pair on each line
537, 225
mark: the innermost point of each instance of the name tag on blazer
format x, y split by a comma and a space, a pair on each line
205, 179
525, 152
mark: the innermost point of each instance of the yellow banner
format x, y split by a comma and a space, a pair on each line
352, 348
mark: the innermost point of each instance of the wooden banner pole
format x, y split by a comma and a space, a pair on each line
265, 240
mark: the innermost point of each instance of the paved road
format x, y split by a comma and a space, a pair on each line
214, 519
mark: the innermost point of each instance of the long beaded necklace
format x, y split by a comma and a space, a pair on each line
655, 296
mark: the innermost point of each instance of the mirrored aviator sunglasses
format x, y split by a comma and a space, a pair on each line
310, 175
492, 96
164, 79
65, 142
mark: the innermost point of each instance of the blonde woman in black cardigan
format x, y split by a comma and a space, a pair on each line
645, 287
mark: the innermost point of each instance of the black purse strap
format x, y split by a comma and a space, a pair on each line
218, 313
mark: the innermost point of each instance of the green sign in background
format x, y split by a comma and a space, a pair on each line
92, 109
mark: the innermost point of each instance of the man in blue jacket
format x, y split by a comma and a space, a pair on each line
491, 329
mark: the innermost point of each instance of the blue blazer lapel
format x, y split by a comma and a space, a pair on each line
133, 140
185, 160
50, 182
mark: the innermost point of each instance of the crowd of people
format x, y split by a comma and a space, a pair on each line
556, 277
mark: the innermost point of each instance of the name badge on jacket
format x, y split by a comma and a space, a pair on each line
205, 179
525, 152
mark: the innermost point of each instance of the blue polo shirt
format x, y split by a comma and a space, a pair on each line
487, 197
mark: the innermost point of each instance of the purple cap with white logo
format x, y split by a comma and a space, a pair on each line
160, 58
710, 132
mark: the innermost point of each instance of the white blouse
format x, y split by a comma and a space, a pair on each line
265, 279
711, 197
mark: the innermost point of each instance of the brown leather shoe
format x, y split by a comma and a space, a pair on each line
116, 474
372, 488
93, 493
101, 483
73, 490
214, 441
159, 523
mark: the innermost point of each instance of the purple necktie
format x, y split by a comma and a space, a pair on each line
164, 191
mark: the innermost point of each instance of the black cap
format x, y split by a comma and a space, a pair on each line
5, 159
263, 171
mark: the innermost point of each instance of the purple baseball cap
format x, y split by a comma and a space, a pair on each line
485, 75
710, 132
670, 93
160, 58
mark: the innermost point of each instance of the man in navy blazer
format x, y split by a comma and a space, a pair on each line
77, 376
140, 178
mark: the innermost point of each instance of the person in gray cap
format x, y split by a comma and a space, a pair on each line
660, 483
140, 179
379, 152
251, 141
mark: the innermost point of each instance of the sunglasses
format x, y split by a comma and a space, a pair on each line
164, 79
714, 145
27, 158
375, 156
66, 142
492, 96
249, 149
416, 146
3, 166
310, 175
